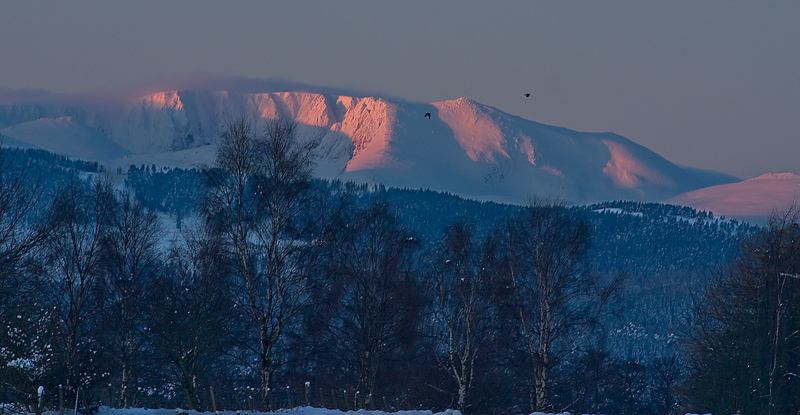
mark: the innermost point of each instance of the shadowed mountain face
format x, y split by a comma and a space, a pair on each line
463, 147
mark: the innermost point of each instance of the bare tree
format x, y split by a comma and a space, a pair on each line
27, 334
21, 232
462, 277
378, 301
80, 220
666, 376
130, 263
258, 200
745, 347
190, 313
555, 298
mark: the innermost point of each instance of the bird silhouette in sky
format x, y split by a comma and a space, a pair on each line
527, 94
428, 115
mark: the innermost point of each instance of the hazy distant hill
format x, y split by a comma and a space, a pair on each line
752, 199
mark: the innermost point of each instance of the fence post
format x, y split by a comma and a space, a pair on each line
39, 400
60, 399
237, 399
213, 399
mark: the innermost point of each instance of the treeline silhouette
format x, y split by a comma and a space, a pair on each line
282, 290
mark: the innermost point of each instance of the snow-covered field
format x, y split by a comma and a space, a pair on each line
302, 410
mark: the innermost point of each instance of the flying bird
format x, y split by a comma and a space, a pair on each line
527, 94
428, 115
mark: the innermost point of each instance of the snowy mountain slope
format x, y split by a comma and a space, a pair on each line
465, 147
66, 136
6, 141
13, 114
185, 159
753, 199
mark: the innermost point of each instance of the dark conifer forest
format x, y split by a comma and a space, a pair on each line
252, 285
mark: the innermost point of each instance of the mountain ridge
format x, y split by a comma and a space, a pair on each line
465, 148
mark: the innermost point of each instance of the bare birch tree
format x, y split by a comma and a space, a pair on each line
378, 301
258, 200
556, 298
191, 312
130, 262
462, 275
21, 233
80, 220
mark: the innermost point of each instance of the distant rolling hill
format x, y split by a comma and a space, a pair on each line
752, 200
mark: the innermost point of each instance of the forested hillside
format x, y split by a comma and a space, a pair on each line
405, 297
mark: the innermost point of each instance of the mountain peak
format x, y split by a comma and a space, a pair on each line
462, 102
165, 99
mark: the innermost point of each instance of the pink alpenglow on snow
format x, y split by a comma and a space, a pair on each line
476, 132
465, 148
300, 410
756, 198
627, 170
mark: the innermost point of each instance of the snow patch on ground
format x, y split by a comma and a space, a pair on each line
618, 211
185, 159
302, 410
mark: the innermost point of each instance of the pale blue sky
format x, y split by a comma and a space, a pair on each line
710, 84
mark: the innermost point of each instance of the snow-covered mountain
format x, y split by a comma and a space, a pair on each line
753, 199
464, 147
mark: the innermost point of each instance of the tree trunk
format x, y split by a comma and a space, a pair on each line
541, 387
266, 374
541, 380
123, 398
189, 384
462, 396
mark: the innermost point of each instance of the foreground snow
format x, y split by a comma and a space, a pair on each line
302, 410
